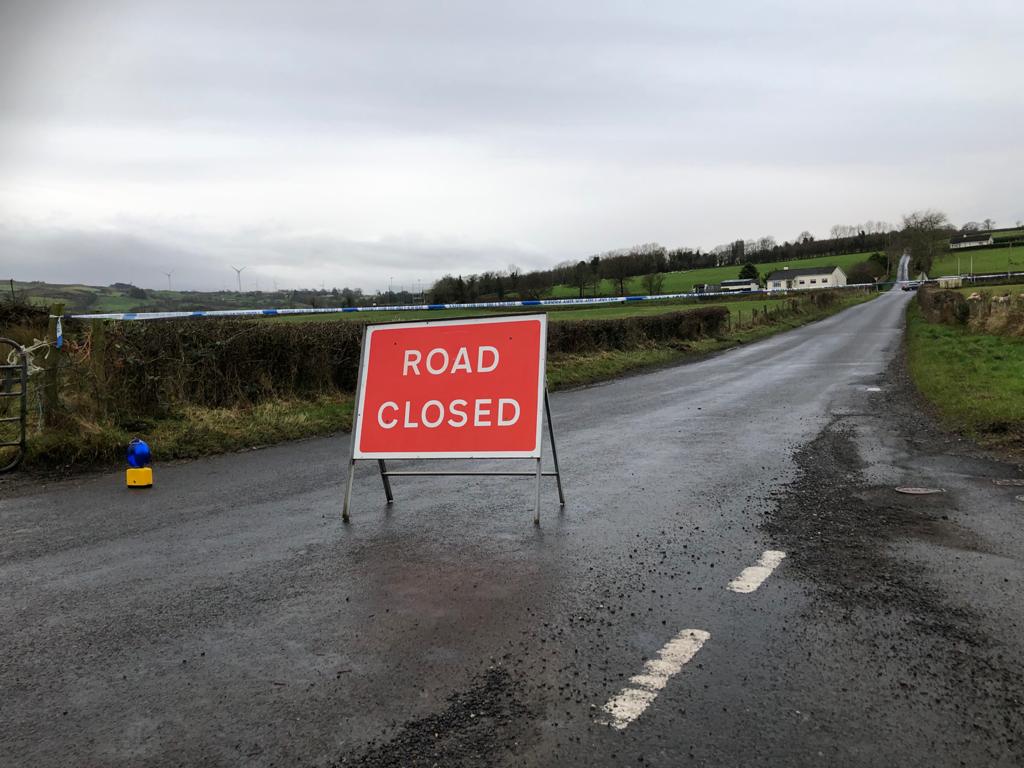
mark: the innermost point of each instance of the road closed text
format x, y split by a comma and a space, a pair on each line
452, 388
481, 412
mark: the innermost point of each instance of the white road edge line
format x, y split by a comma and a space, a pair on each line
754, 576
630, 703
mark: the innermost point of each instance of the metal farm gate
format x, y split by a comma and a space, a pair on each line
13, 384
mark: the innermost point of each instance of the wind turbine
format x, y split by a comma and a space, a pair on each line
169, 278
238, 273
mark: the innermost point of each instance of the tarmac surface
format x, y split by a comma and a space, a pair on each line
733, 581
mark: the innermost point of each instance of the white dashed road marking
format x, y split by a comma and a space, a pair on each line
631, 701
754, 576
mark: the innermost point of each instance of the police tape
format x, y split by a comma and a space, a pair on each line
528, 303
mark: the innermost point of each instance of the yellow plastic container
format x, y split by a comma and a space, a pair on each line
140, 478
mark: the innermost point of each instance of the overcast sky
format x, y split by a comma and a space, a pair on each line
348, 143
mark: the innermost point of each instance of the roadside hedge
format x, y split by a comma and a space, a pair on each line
153, 366
21, 315
149, 368
576, 336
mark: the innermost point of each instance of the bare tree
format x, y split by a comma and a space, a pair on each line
617, 269
924, 233
514, 273
581, 276
653, 283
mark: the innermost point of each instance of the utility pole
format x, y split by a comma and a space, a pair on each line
238, 274
391, 290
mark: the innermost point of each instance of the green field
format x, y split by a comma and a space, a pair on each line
683, 282
986, 262
738, 307
1010, 289
976, 381
100, 299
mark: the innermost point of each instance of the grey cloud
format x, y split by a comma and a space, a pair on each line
609, 98
202, 260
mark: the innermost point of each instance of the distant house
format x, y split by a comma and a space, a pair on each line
970, 240
744, 285
705, 288
803, 278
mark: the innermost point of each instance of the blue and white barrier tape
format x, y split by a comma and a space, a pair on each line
417, 307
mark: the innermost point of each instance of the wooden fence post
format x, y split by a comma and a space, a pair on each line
51, 366
98, 361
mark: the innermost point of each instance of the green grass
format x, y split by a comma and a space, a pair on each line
97, 299
1011, 289
735, 307
193, 432
987, 261
683, 282
739, 305
975, 381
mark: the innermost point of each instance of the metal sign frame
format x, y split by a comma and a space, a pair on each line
386, 474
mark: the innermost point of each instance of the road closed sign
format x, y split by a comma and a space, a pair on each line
470, 388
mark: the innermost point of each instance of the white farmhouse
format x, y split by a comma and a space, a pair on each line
803, 278
971, 240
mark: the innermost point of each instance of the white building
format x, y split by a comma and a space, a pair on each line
742, 285
804, 278
971, 240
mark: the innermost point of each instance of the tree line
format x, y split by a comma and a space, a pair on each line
649, 261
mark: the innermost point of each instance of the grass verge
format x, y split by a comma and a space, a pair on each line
975, 381
194, 432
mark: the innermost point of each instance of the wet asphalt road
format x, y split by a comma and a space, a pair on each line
228, 617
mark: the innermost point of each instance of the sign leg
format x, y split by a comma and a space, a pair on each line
386, 479
348, 490
554, 450
536, 508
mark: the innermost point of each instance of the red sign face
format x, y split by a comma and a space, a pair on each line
452, 388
